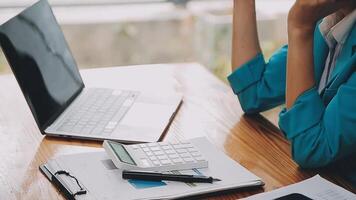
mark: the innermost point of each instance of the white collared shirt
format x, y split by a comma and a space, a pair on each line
335, 29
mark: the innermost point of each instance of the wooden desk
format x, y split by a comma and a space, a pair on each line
209, 109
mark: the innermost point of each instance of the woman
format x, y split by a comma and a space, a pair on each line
314, 75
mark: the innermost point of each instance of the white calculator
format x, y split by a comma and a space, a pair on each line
157, 156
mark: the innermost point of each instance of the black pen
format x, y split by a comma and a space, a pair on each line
153, 176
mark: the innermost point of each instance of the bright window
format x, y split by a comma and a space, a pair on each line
105, 33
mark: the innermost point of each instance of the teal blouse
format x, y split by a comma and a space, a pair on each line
320, 127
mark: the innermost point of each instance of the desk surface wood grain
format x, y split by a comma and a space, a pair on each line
210, 109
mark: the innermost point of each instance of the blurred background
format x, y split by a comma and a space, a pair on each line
105, 33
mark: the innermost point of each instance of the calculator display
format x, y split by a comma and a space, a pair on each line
121, 153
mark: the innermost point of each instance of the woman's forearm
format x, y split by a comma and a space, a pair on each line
245, 44
302, 19
300, 64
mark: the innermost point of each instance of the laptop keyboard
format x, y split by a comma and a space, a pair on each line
98, 111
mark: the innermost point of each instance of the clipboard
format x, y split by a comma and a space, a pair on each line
55, 177
93, 175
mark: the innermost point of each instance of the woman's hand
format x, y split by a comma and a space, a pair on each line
305, 13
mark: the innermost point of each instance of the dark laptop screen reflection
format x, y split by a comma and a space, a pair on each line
38, 54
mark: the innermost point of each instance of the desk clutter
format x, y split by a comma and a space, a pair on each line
63, 106
95, 176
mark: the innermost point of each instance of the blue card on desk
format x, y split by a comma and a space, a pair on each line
140, 184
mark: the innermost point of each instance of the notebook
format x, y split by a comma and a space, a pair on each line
94, 176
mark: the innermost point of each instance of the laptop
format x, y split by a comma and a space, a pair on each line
48, 76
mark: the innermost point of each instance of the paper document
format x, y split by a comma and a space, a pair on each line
316, 188
98, 175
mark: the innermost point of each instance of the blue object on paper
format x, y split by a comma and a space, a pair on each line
140, 184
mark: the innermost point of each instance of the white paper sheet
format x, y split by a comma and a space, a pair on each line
316, 188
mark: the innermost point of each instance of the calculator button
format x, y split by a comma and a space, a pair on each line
187, 146
188, 159
196, 154
165, 147
177, 160
145, 149
192, 149
157, 153
156, 163
155, 148
170, 152
184, 155
163, 157
166, 162
142, 145
149, 153
153, 158
178, 146
200, 158
145, 163
181, 150
152, 144
173, 156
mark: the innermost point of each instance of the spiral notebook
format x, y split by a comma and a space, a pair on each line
94, 176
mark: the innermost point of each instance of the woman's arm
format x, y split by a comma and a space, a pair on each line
245, 45
322, 135
302, 20
300, 62
319, 135
259, 85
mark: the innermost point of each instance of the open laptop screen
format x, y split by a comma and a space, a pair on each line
38, 54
